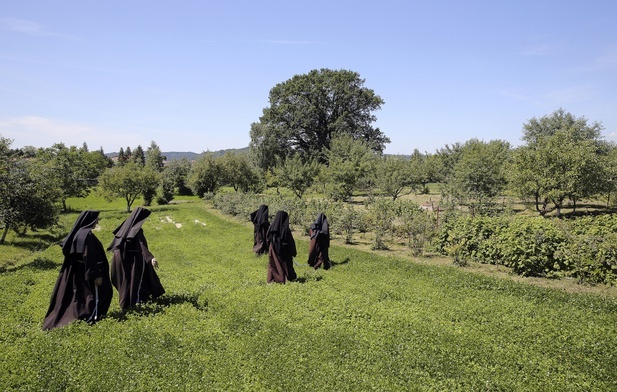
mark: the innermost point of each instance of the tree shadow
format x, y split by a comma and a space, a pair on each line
38, 264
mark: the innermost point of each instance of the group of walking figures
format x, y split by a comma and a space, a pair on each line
83, 290
276, 239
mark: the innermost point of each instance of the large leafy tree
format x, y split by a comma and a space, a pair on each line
307, 111
564, 159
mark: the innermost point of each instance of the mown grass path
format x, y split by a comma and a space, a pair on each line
369, 323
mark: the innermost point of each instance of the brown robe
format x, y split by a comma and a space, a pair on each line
75, 296
260, 221
319, 244
132, 273
281, 250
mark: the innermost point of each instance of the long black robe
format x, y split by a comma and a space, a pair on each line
132, 273
320, 243
281, 250
260, 221
75, 296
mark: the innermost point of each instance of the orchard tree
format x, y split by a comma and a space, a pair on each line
206, 175
564, 159
27, 196
350, 161
478, 174
298, 175
393, 176
72, 169
176, 172
128, 182
308, 111
237, 172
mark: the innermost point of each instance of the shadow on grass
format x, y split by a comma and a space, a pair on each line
158, 305
38, 264
343, 262
304, 279
35, 241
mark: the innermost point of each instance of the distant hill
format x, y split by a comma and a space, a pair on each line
192, 155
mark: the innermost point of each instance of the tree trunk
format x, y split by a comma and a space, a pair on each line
63, 204
4, 232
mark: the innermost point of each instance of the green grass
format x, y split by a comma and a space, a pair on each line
369, 323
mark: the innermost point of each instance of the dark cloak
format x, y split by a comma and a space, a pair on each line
132, 273
281, 250
320, 242
75, 295
260, 221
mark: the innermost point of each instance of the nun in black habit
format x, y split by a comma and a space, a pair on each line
281, 250
320, 242
132, 264
260, 221
83, 290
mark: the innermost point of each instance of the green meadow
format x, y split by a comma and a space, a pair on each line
370, 323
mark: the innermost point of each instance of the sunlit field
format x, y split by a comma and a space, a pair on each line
371, 322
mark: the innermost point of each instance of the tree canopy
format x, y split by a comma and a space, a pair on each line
307, 111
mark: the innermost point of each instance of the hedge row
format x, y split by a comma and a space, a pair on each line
585, 248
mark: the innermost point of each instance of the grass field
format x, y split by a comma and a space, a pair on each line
371, 322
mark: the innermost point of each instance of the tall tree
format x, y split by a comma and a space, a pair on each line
307, 111
154, 157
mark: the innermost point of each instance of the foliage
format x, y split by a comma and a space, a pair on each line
392, 176
128, 182
477, 174
562, 160
176, 172
298, 175
308, 111
381, 213
27, 198
417, 226
206, 175
349, 162
238, 172
73, 170
533, 246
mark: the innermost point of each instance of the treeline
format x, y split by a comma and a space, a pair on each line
563, 162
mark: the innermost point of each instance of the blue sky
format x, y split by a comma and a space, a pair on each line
193, 75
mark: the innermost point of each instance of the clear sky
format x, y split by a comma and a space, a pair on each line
193, 75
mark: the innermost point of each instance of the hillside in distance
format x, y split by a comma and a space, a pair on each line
191, 156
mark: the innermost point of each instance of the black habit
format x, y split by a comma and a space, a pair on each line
320, 242
260, 221
281, 250
132, 272
75, 295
